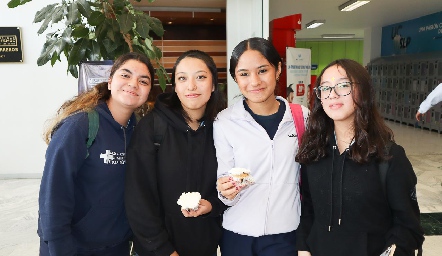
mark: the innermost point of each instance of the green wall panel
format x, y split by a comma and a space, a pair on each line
361, 52
300, 44
324, 52
325, 55
315, 51
352, 50
339, 48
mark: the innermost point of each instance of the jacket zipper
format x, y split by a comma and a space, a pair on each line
270, 188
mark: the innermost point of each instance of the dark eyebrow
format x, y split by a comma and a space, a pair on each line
127, 70
130, 72
262, 66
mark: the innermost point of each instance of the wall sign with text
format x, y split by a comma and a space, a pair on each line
10, 45
419, 35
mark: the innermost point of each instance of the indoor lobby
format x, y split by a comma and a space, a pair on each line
19, 206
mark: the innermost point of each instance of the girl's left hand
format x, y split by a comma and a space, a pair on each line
204, 208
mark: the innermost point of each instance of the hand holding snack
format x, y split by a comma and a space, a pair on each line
204, 208
238, 179
189, 201
241, 177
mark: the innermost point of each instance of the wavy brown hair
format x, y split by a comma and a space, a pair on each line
371, 133
88, 100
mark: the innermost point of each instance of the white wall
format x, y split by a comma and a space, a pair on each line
245, 19
29, 95
372, 44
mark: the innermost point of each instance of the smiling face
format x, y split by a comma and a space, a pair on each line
130, 85
256, 77
193, 85
338, 108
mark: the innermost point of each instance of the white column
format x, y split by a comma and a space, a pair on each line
245, 19
372, 44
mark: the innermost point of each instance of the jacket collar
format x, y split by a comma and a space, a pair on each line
240, 113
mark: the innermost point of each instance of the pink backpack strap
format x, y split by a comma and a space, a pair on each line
298, 119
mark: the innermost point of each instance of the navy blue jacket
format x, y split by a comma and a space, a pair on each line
81, 202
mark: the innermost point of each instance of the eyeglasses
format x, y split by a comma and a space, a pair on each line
341, 89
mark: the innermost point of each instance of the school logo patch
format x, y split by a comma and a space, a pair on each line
110, 157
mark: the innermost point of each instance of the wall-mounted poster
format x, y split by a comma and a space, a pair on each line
298, 75
92, 73
10, 45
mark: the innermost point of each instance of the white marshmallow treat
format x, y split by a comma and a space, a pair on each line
189, 200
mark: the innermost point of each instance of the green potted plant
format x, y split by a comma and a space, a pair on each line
93, 30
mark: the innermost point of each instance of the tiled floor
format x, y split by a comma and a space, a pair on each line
18, 197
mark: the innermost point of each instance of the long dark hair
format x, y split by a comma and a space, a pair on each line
371, 133
216, 102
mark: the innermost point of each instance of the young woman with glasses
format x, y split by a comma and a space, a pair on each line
344, 209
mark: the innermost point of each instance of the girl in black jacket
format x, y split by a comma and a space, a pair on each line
344, 208
185, 161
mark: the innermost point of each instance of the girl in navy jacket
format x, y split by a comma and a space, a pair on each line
81, 202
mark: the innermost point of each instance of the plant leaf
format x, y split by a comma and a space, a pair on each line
161, 79
100, 30
80, 31
15, 3
109, 45
73, 70
52, 45
93, 52
78, 51
44, 25
73, 13
96, 18
126, 22
142, 28
156, 25
54, 58
43, 13
66, 36
57, 14
84, 8
157, 51
119, 5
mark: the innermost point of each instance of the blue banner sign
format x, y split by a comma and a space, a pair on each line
419, 35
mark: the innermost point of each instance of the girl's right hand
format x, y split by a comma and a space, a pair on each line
304, 253
227, 187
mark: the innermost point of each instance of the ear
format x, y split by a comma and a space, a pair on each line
279, 70
109, 83
213, 88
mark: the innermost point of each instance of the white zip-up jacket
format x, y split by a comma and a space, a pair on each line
432, 99
272, 204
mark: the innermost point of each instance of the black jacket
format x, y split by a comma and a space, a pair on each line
155, 178
338, 190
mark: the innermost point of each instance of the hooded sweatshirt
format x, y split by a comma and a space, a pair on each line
157, 176
345, 211
81, 206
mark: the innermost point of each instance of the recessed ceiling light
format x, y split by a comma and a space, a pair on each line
314, 23
335, 36
351, 5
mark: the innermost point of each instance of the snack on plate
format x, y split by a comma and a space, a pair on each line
241, 176
189, 201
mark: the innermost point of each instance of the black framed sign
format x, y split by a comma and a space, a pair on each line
10, 44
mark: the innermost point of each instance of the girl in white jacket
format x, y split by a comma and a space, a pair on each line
258, 133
